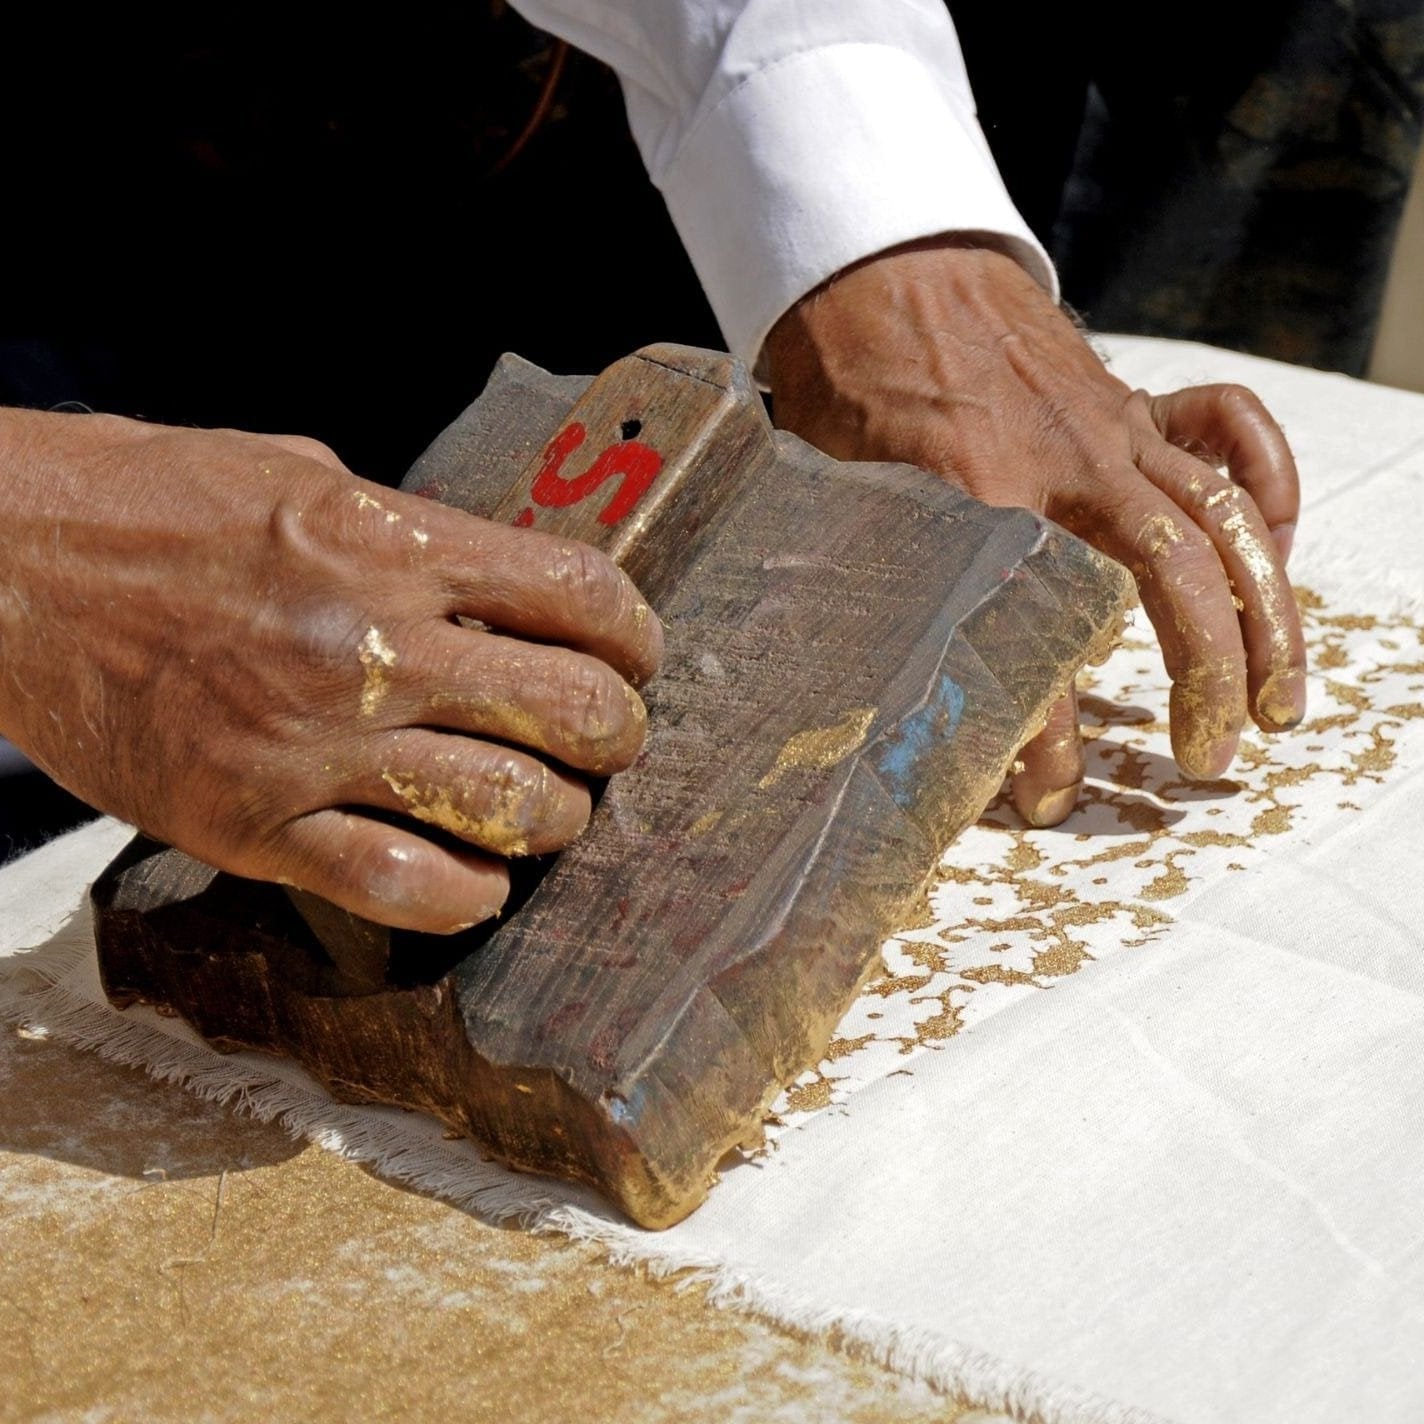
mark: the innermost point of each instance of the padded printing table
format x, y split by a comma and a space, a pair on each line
168, 1260
1184, 1185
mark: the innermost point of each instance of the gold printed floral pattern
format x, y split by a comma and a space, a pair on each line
1014, 910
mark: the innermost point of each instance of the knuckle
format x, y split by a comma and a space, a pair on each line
526, 808
1227, 503
1177, 556
1156, 541
592, 588
383, 872
1192, 569
596, 709
1141, 407
312, 449
326, 632
1235, 399
600, 598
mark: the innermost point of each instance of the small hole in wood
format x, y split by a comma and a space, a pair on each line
631, 429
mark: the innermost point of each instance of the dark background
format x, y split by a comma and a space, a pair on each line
284, 218
303, 218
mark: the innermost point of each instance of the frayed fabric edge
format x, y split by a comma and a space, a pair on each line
494, 1193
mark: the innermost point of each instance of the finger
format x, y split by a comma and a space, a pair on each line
494, 797
302, 445
566, 704
1229, 425
526, 582
386, 874
1184, 590
1046, 789
1269, 620
309, 449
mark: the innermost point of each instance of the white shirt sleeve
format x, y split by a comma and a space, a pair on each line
791, 138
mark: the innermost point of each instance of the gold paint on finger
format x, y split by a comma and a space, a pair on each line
506, 720
1279, 700
636, 706
366, 501
1253, 551
1202, 720
512, 723
1053, 807
376, 657
500, 830
1160, 533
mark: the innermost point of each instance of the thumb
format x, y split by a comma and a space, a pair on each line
1046, 789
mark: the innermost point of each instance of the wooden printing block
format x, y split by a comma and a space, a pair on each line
855, 652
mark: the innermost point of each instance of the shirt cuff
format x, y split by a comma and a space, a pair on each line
822, 159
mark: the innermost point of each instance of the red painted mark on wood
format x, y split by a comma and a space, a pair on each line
562, 1019
632, 463
524, 518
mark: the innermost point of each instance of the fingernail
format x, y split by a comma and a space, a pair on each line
1284, 535
1054, 807
1281, 701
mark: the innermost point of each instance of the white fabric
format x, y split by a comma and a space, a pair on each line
1183, 1185
757, 119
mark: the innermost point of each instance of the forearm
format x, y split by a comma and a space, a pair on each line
792, 142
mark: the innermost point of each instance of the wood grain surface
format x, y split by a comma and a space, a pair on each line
855, 654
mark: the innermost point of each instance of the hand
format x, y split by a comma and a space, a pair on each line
232, 642
949, 356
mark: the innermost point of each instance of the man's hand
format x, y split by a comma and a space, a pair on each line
234, 643
949, 356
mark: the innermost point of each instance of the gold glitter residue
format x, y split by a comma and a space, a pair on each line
501, 829
809, 1097
377, 657
495, 718
704, 823
1167, 886
1015, 910
820, 748
1273, 821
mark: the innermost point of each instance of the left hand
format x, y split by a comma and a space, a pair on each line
947, 355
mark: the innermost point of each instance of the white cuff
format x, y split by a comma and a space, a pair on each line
833, 155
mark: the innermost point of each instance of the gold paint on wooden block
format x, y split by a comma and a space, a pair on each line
820, 748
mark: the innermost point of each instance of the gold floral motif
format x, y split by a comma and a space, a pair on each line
1014, 909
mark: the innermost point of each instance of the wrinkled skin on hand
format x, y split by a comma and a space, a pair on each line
232, 642
949, 356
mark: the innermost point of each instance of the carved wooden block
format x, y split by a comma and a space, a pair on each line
855, 654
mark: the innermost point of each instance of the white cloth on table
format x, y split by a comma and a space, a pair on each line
1134, 1129
791, 140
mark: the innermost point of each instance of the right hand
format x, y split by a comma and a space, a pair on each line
946, 354
235, 644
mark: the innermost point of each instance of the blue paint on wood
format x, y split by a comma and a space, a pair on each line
901, 752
